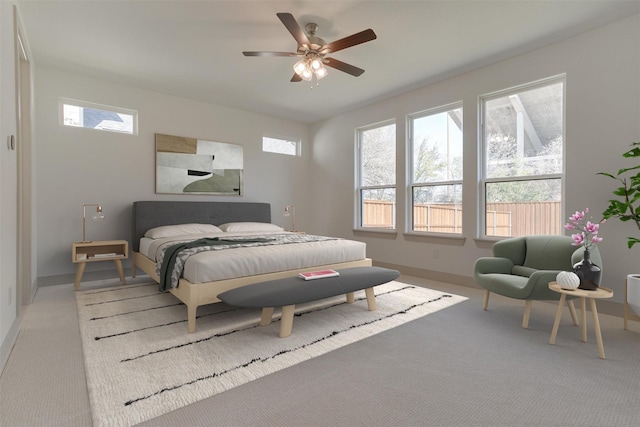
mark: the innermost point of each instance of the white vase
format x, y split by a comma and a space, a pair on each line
633, 292
568, 280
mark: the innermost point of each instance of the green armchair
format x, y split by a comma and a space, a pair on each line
522, 267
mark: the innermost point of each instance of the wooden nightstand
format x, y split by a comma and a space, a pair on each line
104, 250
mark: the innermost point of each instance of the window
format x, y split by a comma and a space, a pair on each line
436, 170
522, 173
280, 145
377, 176
95, 116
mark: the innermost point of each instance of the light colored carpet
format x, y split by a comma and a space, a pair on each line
140, 361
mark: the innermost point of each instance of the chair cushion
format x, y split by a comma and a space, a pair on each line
549, 252
519, 270
507, 285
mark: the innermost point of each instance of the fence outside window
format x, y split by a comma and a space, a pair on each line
502, 219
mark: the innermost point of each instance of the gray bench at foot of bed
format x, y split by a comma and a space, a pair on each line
288, 292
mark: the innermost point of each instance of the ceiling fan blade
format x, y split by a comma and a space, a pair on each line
266, 53
290, 22
343, 66
296, 78
352, 40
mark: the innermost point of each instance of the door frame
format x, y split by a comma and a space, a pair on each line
24, 95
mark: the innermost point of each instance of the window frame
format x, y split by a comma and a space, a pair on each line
482, 153
412, 185
103, 107
359, 188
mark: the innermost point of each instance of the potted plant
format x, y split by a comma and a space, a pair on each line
627, 208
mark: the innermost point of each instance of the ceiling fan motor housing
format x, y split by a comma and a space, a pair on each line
316, 42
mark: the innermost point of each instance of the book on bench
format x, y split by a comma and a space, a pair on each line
320, 274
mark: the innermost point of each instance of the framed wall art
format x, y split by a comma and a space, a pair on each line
196, 166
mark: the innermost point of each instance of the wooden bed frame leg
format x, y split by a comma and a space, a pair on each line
371, 299
191, 318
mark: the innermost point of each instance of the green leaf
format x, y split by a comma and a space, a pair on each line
632, 241
621, 171
606, 174
632, 153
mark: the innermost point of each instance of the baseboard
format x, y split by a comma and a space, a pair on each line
8, 342
439, 276
604, 306
88, 276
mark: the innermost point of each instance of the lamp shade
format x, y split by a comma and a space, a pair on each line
291, 211
299, 67
97, 215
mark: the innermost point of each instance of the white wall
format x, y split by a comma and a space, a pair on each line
602, 118
77, 166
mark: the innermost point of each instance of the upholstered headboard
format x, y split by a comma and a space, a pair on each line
151, 214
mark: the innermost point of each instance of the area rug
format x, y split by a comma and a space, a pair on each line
141, 362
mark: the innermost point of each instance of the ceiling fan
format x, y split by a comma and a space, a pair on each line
313, 50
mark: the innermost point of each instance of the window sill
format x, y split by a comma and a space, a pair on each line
440, 238
384, 233
487, 242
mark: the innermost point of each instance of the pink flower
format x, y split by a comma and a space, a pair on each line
591, 227
589, 230
578, 239
578, 216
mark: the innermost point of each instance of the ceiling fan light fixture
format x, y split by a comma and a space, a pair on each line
316, 63
321, 72
299, 67
307, 75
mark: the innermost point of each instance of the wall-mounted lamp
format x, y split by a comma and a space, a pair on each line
291, 211
97, 215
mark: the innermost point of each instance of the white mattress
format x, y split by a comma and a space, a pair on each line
247, 261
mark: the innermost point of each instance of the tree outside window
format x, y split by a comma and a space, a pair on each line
377, 176
436, 184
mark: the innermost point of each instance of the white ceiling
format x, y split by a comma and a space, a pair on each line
193, 49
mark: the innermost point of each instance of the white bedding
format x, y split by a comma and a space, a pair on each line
247, 261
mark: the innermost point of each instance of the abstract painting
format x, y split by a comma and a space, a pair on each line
196, 166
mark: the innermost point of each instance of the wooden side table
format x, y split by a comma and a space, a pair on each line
104, 250
599, 293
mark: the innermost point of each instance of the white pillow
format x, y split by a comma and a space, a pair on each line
180, 229
249, 226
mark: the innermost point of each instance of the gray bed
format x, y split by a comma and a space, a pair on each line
150, 214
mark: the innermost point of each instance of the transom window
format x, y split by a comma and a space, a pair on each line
278, 145
376, 147
523, 167
95, 116
436, 170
